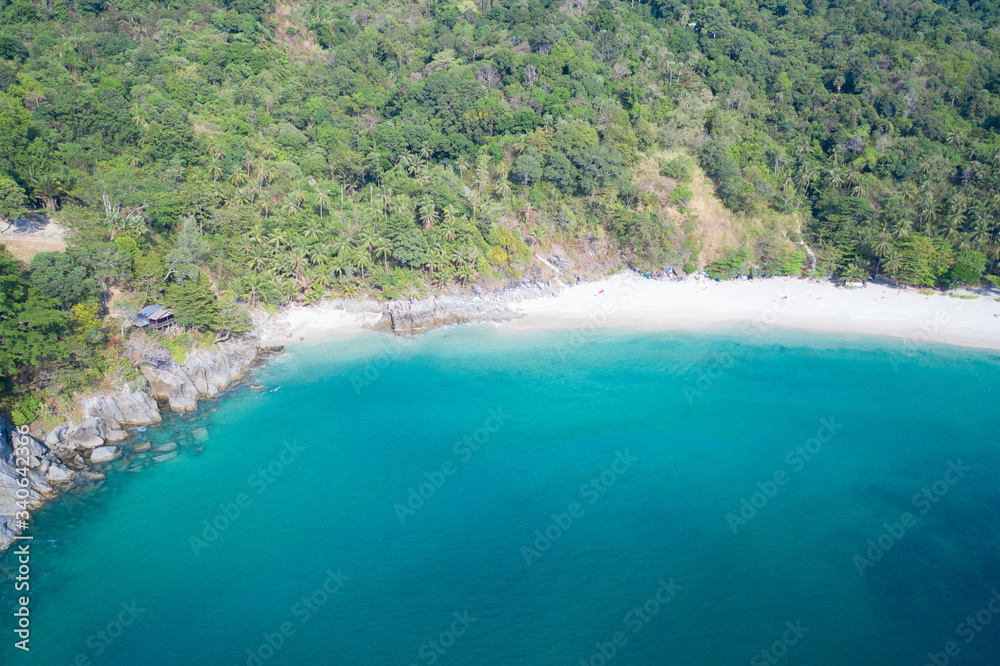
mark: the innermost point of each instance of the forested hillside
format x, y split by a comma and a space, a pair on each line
215, 157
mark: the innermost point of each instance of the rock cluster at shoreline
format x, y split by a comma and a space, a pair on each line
414, 316
205, 373
70, 454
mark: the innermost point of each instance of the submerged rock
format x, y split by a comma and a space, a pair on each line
165, 457
142, 446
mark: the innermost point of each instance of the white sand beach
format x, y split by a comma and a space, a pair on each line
631, 301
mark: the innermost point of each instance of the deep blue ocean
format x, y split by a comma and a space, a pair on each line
483, 496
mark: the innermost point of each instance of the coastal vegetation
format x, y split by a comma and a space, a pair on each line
216, 157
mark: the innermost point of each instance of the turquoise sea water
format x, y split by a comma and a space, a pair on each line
574, 499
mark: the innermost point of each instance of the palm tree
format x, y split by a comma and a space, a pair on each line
412, 163
428, 211
241, 197
319, 278
215, 168
502, 189
437, 259
339, 245
856, 272
267, 151
423, 175
265, 174
482, 174
312, 228
465, 273
322, 199
252, 286
381, 248
266, 203
298, 196
463, 166
237, 179
362, 260
882, 246
138, 115
278, 238
259, 256
893, 263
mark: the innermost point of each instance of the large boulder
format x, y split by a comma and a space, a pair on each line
213, 371
80, 437
116, 436
123, 408
56, 473
104, 454
169, 383
54, 438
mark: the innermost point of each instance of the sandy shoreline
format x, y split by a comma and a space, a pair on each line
630, 301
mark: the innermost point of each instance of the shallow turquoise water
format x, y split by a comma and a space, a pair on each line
603, 507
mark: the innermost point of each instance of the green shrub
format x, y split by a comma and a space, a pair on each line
680, 196
679, 168
25, 410
734, 265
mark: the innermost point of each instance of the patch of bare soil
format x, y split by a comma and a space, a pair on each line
27, 236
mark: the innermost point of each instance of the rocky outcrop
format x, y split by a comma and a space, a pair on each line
67, 453
205, 374
212, 372
45, 474
123, 408
410, 317
169, 383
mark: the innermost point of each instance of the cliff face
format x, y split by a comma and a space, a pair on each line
71, 454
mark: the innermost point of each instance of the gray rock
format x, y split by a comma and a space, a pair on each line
213, 371
55, 436
116, 436
123, 408
165, 457
58, 474
104, 454
166, 448
142, 446
200, 435
410, 317
169, 383
205, 373
81, 438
